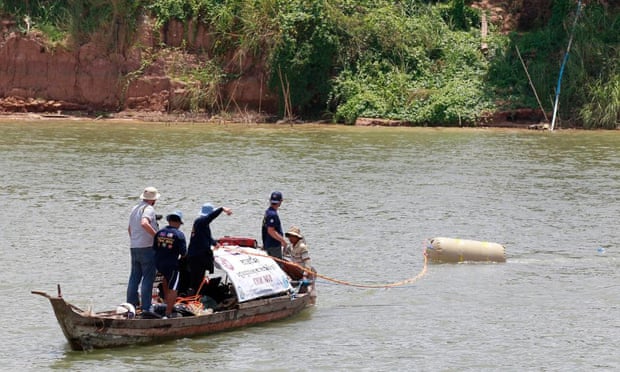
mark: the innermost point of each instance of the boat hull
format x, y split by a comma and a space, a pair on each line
86, 331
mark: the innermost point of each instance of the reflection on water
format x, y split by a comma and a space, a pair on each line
366, 198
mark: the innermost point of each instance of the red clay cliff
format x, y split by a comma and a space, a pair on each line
36, 77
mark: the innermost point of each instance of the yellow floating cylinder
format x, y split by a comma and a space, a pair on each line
459, 250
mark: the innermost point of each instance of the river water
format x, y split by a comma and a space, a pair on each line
366, 200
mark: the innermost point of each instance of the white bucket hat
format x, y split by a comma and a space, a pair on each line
150, 193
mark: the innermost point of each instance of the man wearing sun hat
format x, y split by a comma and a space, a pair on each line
298, 250
142, 228
200, 255
273, 239
298, 253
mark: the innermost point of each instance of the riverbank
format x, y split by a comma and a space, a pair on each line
138, 116
243, 118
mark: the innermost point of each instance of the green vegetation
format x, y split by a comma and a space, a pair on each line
589, 95
412, 60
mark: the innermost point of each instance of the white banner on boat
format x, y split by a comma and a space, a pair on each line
252, 275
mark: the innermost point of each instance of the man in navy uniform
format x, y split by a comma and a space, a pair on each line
169, 245
273, 238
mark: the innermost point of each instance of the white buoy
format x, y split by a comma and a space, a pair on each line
459, 250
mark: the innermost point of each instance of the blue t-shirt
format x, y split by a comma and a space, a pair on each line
169, 243
271, 219
201, 239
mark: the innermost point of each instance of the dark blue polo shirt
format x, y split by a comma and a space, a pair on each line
272, 219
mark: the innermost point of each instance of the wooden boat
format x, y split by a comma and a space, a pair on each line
86, 330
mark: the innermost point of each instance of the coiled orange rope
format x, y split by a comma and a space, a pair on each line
193, 298
193, 302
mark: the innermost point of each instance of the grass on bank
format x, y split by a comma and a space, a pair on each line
416, 61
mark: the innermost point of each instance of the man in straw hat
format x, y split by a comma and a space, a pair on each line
142, 228
298, 250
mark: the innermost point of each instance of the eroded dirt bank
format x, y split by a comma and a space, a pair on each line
88, 80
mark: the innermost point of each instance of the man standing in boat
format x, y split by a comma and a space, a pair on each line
169, 245
273, 239
142, 228
200, 255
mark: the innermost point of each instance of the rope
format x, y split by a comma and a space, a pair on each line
193, 302
310, 272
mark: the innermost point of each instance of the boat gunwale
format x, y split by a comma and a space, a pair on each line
86, 330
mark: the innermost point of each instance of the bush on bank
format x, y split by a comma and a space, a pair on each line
412, 60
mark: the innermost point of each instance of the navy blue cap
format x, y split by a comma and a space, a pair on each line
276, 197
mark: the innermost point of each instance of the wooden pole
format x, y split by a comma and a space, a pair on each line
532, 84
